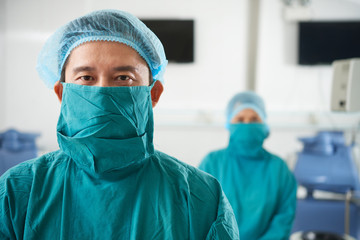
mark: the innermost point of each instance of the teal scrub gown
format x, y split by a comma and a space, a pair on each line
104, 184
258, 184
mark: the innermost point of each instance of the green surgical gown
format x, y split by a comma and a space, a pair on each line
51, 197
261, 191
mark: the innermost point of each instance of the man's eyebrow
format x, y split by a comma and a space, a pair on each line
116, 69
83, 69
125, 68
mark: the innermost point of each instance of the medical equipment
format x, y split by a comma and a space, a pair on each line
16, 147
326, 164
346, 85
327, 169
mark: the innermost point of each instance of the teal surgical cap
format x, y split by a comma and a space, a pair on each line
243, 101
103, 25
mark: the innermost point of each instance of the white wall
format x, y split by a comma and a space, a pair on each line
189, 117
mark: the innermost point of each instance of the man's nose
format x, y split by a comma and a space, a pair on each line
104, 82
247, 120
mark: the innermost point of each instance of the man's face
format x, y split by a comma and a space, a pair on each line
246, 116
106, 64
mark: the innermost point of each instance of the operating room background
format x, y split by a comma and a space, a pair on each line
189, 119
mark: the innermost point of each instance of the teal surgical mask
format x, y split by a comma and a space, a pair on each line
104, 129
246, 139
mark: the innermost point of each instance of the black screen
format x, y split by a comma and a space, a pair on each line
324, 42
177, 36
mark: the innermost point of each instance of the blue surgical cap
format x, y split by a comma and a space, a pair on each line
243, 101
103, 25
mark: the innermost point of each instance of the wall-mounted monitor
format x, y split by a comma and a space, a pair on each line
177, 36
322, 42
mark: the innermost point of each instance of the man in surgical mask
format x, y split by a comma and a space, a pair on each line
106, 181
258, 184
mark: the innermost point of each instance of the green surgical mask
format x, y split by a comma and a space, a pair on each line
246, 139
105, 129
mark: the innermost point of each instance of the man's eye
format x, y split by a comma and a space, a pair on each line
86, 78
123, 78
255, 120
